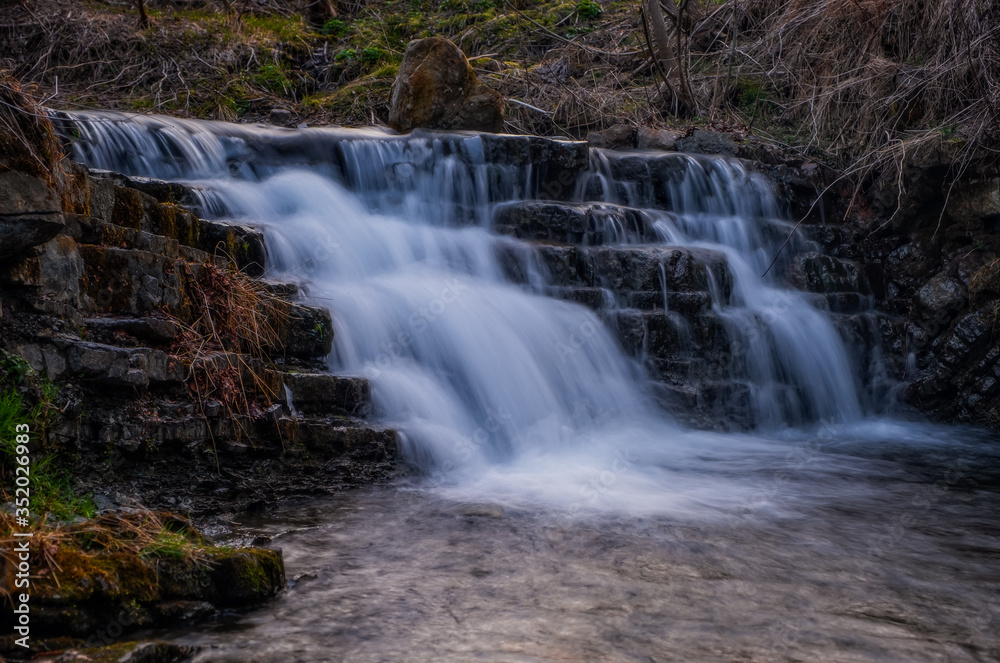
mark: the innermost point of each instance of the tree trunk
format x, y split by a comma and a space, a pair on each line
143, 16
665, 53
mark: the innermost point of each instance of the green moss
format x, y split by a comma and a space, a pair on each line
273, 77
176, 223
251, 574
51, 491
387, 70
79, 576
276, 27
334, 28
127, 211
373, 54
345, 54
588, 10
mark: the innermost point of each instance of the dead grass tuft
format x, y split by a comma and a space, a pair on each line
145, 534
27, 138
227, 343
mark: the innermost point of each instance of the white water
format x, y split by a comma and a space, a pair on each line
500, 392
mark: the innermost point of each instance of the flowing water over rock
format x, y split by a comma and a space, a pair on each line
552, 330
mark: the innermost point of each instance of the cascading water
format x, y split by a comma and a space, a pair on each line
488, 380
764, 546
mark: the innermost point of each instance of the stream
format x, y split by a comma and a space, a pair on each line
622, 442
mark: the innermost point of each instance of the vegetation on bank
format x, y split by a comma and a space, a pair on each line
27, 398
854, 81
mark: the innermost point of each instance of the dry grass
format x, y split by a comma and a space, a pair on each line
27, 139
860, 76
144, 534
228, 341
203, 62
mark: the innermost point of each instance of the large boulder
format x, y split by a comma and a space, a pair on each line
437, 89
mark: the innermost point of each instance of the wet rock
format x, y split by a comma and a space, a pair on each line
648, 138
436, 88
646, 175
985, 284
160, 190
657, 269
122, 367
242, 245
333, 438
140, 209
556, 165
617, 137
329, 394
302, 331
126, 652
154, 330
826, 274
20, 232
21, 193
708, 142
247, 576
971, 203
146, 586
941, 297
131, 281
581, 223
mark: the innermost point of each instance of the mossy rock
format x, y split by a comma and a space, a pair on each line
109, 571
247, 576
109, 577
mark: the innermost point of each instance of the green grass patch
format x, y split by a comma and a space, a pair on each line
588, 10
49, 485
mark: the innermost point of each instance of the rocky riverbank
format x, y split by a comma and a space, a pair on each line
157, 376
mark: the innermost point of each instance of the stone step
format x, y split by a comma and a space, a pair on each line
333, 437
102, 364
555, 165
238, 441
135, 283
622, 268
817, 272
124, 203
575, 223
604, 300
21, 232
668, 334
642, 177
322, 393
303, 332
155, 331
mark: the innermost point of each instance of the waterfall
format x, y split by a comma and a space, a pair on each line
490, 379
